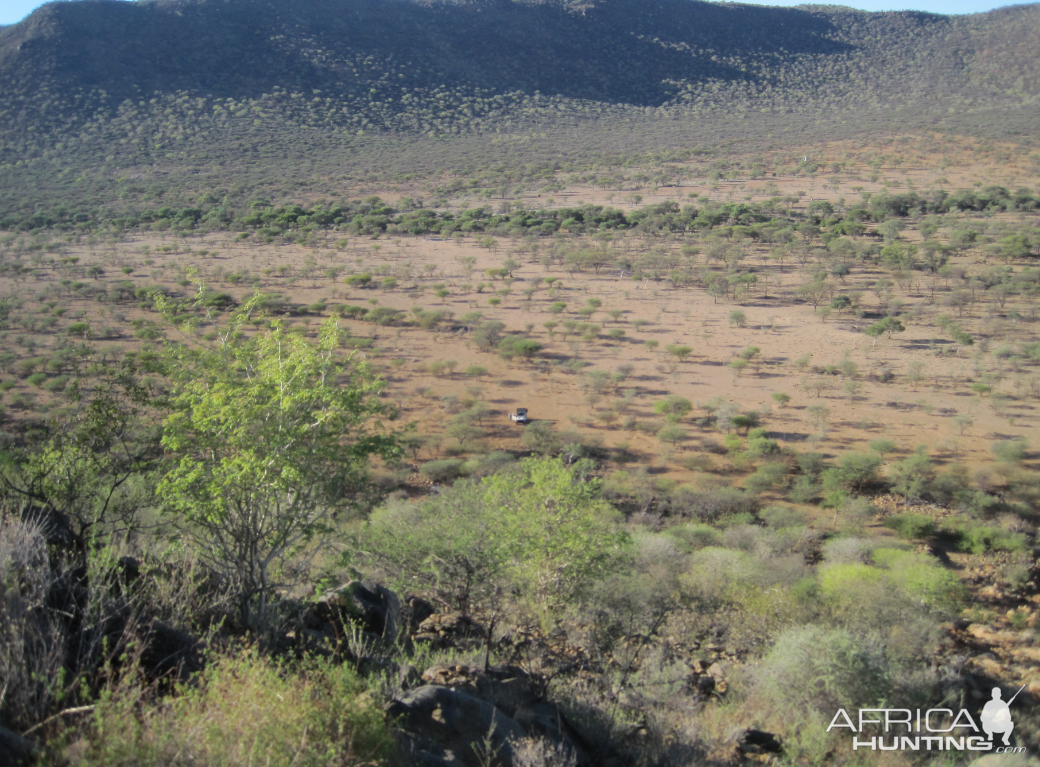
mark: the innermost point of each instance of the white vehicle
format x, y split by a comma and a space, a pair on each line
520, 416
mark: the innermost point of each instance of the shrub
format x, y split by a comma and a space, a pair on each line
37, 379
540, 438
358, 280
921, 577
739, 522
719, 573
694, 537
81, 329
856, 511
812, 667
710, 505
214, 300
491, 463
671, 434
56, 384
854, 471
350, 312
811, 464
883, 446
1010, 451
844, 551
804, 490
382, 315
246, 710
766, 476
977, 538
679, 351
911, 526
673, 405
783, 516
745, 421
443, 470
760, 447
535, 533
514, 346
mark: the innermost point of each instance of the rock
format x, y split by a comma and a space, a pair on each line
130, 569
503, 697
55, 527
417, 610
513, 692
759, 742
16, 750
170, 653
718, 670
375, 607
443, 629
449, 676
409, 676
457, 722
706, 685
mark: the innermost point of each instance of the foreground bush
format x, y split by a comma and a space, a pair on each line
533, 533
243, 710
813, 667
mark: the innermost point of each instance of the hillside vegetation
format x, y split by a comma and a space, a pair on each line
273, 276
257, 93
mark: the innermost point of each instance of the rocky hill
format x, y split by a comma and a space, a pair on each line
256, 90
436, 66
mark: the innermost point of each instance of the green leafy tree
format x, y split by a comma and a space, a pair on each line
911, 477
514, 346
815, 292
96, 466
673, 405
887, 326
841, 303
535, 534
270, 440
679, 351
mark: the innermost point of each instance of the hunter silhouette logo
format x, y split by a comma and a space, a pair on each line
996, 716
936, 729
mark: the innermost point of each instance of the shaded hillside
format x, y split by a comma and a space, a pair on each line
400, 63
274, 88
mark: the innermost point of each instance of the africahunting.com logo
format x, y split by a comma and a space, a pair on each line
937, 729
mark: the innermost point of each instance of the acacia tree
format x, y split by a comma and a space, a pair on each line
536, 535
271, 439
886, 326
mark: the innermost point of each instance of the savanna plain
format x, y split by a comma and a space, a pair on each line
265, 500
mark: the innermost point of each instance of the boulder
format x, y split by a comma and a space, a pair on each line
513, 692
169, 653
456, 723
453, 723
417, 610
16, 750
375, 607
759, 742
444, 629
705, 685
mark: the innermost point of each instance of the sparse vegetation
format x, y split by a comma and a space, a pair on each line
258, 347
